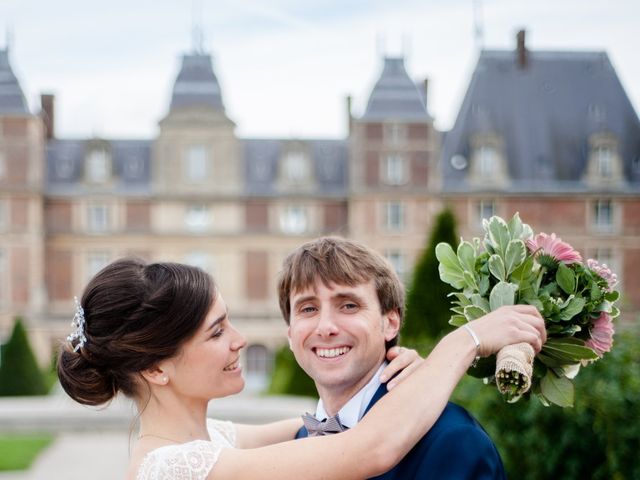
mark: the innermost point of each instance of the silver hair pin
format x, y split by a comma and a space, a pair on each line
79, 326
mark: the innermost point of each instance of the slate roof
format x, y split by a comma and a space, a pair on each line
545, 114
328, 160
12, 99
196, 84
131, 167
395, 96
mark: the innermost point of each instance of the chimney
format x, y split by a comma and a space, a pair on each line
425, 86
47, 112
521, 50
349, 117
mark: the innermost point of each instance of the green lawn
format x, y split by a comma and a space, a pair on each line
18, 451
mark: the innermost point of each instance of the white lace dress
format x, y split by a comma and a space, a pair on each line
188, 461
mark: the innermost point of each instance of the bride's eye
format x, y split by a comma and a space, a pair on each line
218, 333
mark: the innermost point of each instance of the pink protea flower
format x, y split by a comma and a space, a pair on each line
604, 272
601, 334
554, 247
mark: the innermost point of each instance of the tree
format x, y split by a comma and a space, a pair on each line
19, 371
427, 310
289, 378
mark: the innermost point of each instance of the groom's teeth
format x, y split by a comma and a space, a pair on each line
332, 352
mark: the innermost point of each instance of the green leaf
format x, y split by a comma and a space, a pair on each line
484, 284
550, 361
457, 320
515, 255
467, 256
502, 294
558, 390
515, 226
480, 301
568, 352
596, 293
462, 299
574, 308
497, 234
450, 270
566, 279
471, 312
470, 280
612, 296
497, 268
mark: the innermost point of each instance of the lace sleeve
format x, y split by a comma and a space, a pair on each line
224, 428
193, 461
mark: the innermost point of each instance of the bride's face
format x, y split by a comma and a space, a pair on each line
208, 365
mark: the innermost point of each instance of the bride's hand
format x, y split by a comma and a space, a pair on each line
403, 360
509, 325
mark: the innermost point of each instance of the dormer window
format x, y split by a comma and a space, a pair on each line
296, 167
487, 158
195, 166
394, 134
98, 166
487, 165
394, 169
604, 161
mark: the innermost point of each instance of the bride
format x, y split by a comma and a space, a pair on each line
160, 333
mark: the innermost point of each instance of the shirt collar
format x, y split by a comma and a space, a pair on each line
353, 410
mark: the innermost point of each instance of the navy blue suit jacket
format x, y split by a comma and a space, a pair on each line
456, 447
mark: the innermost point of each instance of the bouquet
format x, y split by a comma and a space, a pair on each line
575, 299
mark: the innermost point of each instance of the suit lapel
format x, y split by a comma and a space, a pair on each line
382, 390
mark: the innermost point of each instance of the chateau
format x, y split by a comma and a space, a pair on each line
550, 134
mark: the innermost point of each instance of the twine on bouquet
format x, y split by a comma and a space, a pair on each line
514, 369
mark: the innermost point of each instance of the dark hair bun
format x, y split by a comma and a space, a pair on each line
82, 381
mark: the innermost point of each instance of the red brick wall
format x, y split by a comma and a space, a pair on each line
58, 216
419, 172
418, 132
138, 216
631, 279
372, 169
19, 214
630, 216
373, 131
257, 216
20, 266
257, 275
15, 127
548, 214
335, 217
17, 160
58, 276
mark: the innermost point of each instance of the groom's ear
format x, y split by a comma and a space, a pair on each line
289, 337
391, 324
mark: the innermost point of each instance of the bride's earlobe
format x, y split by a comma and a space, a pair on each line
156, 376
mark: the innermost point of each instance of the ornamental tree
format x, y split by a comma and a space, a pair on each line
19, 371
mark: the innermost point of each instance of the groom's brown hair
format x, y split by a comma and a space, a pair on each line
343, 262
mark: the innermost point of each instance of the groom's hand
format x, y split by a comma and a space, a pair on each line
403, 360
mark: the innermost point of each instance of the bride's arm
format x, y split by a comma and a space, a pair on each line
397, 421
403, 360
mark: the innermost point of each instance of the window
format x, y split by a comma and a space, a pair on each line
98, 166
603, 215
196, 163
486, 210
395, 171
197, 218
397, 260
487, 161
98, 218
296, 167
604, 161
96, 261
293, 219
394, 134
394, 216
259, 362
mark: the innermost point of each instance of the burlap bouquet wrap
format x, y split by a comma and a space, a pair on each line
517, 359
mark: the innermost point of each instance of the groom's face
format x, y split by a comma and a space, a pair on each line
338, 333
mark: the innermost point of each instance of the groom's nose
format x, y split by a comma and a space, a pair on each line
326, 323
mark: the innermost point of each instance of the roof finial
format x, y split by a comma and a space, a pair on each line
478, 24
197, 30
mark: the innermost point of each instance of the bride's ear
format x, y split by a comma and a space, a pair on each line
156, 375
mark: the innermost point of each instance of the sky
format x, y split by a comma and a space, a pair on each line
285, 66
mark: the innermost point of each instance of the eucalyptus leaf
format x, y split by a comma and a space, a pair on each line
498, 234
450, 270
471, 312
558, 390
497, 268
566, 279
515, 226
457, 320
514, 256
502, 294
470, 280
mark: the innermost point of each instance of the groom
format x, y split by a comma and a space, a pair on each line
344, 304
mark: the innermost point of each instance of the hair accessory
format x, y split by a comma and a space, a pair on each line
79, 327
476, 341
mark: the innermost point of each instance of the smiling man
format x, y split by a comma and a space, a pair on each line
344, 304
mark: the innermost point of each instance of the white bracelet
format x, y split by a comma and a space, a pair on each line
476, 340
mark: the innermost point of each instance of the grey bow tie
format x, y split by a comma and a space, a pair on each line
328, 426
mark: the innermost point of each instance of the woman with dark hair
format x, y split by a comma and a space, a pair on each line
160, 333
